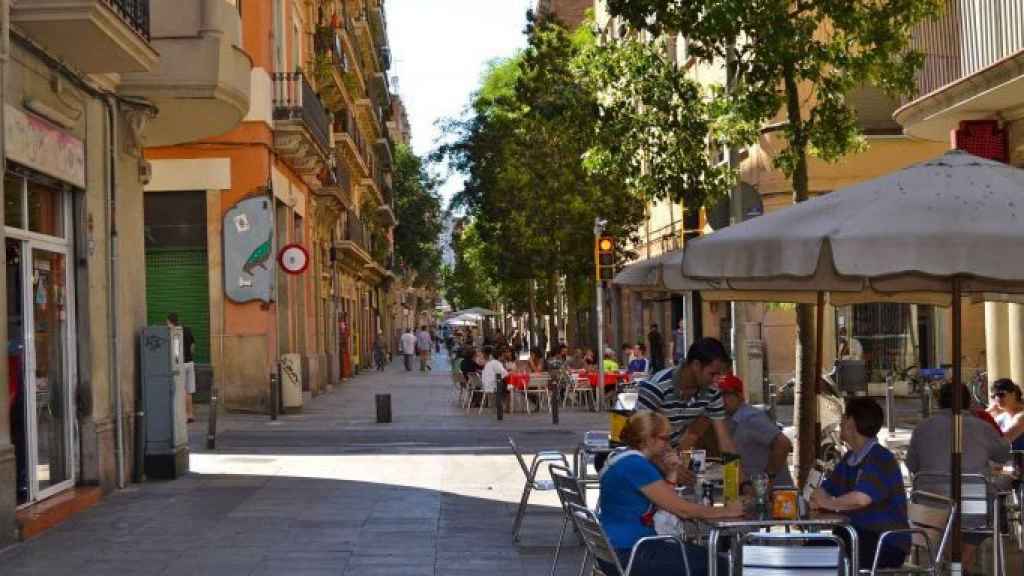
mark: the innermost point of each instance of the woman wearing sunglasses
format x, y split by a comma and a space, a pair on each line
638, 480
1008, 410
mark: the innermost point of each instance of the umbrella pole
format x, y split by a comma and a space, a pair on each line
819, 364
957, 438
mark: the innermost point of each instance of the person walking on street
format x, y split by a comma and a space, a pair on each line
379, 353
408, 345
657, 347
188, 367
425, 347
679, 343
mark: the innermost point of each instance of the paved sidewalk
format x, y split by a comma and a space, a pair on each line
329, 491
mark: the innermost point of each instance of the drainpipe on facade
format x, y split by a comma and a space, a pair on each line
112, 317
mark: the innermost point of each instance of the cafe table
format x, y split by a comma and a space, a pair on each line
716, 527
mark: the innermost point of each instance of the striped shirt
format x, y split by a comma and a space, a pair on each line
874, 471
663, 397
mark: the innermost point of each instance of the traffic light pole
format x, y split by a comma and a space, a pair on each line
599, 355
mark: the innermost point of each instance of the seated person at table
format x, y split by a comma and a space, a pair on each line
982, 445
691, 394
627, 354
762, 446
867, 487
610, 364
1008, 410
589, 360
472, 361
575, 360
640, 362
636, 481
493, 371
536, 360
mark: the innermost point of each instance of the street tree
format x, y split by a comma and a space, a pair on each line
419, 212
792, 65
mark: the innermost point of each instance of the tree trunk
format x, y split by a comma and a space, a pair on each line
573, 316
533, 313
806, 398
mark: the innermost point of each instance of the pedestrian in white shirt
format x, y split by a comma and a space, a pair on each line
493, 371
408, 345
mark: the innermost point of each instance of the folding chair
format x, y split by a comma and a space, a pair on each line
569, 492
474, 387
580, 386
601, 549
784, 554
532, 483
538, 386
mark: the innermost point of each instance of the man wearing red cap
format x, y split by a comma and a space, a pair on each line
762, 447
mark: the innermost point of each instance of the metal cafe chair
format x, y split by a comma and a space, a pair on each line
979, 510
569, 492
474, 387
601, 549
538, 386
931, 518
764, 554
532, 482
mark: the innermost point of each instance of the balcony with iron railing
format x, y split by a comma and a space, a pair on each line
351, 146
973, 67
95, 36
302, 126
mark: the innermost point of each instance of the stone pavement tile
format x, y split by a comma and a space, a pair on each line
303, 564
218, 561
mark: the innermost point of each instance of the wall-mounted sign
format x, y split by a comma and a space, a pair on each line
38, 144
293, 259
248, 230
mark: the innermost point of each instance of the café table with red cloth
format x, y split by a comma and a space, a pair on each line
611, 379
518, 380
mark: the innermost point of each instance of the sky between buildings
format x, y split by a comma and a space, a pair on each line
439, 50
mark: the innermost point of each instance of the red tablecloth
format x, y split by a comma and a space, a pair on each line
611, 379
518, 380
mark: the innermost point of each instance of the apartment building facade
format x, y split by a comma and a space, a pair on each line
309, 165
86, 85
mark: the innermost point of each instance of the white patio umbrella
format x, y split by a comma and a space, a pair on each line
938, 229
476, 311
459, 322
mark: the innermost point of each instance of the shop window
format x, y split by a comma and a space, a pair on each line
14, 197
45, 210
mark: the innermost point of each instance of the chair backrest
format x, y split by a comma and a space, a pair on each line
474, 381
519, 457
638, 376
567, 486
935, 514
539, 380
593, 535
777, 554
976, 496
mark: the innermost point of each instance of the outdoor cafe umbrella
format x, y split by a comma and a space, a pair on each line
940, 229
477, 311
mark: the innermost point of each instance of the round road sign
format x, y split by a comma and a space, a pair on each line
293, 258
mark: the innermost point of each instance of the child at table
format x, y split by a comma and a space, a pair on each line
637, 480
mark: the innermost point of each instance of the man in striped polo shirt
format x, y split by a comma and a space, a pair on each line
691, 395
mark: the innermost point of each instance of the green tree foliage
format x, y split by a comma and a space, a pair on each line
467, 281
419, 213
521, 146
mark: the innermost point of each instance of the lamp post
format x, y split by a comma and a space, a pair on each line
599, 225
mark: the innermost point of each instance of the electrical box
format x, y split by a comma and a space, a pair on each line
291, 382
163, 399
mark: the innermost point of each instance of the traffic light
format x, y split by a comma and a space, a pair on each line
605, 258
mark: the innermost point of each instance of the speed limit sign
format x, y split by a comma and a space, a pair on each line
293, 259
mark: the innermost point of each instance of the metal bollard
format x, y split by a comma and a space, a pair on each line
275, 387
499, 398
553, 397
926, 399
211, 432
772, 400
383, 402
890, 404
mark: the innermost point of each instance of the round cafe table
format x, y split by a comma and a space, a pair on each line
518, 380
611, 379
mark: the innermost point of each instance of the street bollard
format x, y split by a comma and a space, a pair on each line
772, 400
890, 404
275, 386
926, 399
499, 398
211, 432
383, 402
553, 394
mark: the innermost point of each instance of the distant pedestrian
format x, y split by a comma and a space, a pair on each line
425, 347
408, 344
379, 352
679, 345
188, 367
657, 347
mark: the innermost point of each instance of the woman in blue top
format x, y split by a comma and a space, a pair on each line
637, 481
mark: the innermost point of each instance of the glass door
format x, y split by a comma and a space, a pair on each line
49, 338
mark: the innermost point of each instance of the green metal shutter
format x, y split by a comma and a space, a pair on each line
178, 281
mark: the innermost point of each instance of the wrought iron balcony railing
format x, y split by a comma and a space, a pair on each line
294, 99
135, 13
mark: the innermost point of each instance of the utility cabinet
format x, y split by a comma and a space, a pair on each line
163, 399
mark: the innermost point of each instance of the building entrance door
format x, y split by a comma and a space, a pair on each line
38, 360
